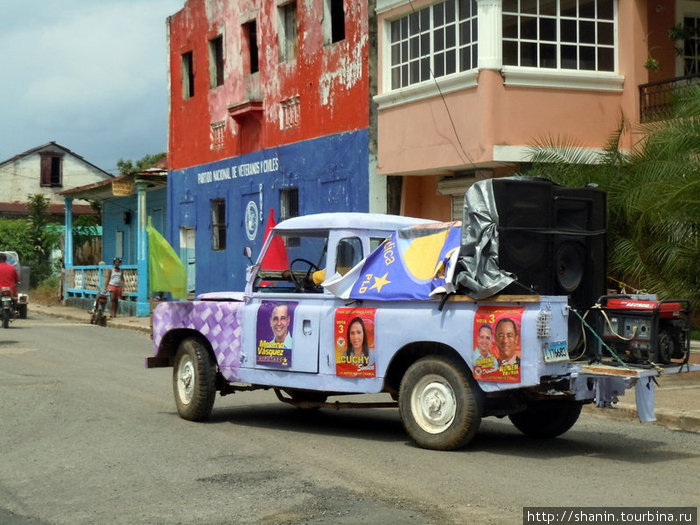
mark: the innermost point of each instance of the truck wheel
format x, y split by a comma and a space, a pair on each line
440, 404
546, 419
194, 380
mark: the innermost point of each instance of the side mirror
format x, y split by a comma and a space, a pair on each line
248, 252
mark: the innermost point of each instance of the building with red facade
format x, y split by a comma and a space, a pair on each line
270, 108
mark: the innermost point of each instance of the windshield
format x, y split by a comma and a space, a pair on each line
293, 263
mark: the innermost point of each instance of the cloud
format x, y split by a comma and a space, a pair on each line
90, 75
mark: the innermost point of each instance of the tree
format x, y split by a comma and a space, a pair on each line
128, 166
42, 241
653, 198
14, 238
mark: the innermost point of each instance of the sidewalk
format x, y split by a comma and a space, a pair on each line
138, 324
677, 395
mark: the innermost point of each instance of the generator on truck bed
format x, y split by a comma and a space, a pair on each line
351, 303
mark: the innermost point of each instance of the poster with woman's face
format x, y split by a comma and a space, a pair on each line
496, 354
354, 342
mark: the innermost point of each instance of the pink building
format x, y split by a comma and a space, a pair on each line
465, 87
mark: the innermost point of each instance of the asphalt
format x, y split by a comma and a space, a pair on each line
677, 395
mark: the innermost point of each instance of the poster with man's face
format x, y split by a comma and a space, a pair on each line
275, 343
496, 354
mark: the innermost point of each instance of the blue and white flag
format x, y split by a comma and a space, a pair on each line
412, 264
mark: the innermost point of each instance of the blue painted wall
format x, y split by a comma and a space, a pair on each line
331, 174
113, 221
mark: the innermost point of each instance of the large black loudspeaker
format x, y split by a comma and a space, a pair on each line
552, 238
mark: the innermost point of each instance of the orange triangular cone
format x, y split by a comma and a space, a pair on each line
276, 255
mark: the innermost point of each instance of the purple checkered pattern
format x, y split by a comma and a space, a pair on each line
218, 321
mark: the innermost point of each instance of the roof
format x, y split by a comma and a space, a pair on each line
19, 209
103, 190
53, 145
349, 220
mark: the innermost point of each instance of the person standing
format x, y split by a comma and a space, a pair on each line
115, 285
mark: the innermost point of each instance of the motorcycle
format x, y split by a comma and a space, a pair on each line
98, 316
8, 306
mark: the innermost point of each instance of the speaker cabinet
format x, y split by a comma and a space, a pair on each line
552, 238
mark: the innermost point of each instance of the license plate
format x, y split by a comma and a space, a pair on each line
556, 351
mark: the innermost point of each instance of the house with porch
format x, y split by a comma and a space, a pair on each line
127, 203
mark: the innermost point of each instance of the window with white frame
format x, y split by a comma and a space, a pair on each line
560, 34
436, 41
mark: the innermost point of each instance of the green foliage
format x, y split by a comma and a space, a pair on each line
14, 237
42, 239
653, 198
128, 166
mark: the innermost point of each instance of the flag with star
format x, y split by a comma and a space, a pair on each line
409, 265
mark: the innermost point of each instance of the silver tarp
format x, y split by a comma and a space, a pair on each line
478, 273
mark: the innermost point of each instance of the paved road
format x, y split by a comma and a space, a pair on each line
88, 436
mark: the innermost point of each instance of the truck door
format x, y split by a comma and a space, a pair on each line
282, 333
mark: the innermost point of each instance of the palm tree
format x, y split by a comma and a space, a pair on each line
653, 197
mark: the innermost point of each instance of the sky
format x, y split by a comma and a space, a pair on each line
91, 75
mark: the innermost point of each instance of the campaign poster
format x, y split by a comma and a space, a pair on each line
354, 342
496, 354
274, 334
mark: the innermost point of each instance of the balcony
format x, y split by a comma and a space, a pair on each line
656, 98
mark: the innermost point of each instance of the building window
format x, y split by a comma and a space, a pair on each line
250, 36
289, 207
561, 34
187, 75
289, 113
287, 31
218, 224
216, 62
691, 45
333, 21
51, 170
440, 39
217, 135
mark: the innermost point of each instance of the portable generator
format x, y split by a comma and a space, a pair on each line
643, 329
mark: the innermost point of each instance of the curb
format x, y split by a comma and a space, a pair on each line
67, 313
671, 419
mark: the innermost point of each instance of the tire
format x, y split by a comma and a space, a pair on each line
546, 419
22, 309
440, 404
194, 380
5, 318
93, 318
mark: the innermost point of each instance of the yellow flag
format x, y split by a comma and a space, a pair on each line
166, 273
